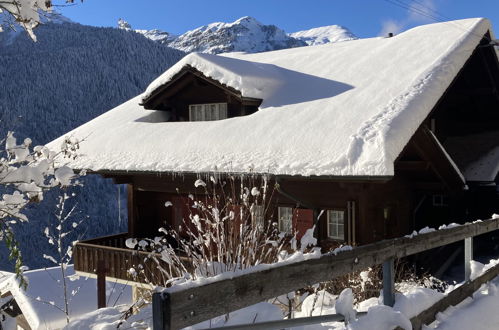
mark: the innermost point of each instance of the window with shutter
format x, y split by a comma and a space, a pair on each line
207, 112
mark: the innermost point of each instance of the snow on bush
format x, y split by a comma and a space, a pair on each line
226, 231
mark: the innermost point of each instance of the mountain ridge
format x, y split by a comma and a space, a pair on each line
245, 34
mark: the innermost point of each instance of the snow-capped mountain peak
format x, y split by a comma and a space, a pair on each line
155, 34
324, 35
124, 25
243, 35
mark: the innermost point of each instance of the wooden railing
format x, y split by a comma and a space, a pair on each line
111, 254
177, 308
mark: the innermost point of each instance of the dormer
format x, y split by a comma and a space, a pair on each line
192, 96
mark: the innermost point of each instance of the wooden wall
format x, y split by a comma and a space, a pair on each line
382, 209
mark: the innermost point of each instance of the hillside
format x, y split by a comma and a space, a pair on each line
71, 75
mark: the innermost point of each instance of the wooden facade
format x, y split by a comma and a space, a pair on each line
427, 188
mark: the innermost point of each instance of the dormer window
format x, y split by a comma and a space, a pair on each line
205, 112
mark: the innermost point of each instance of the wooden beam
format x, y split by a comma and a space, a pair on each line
453, 298
131, 210
430, 149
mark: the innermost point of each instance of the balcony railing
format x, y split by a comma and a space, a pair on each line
111, 253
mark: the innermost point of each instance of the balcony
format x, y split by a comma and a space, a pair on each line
115, 260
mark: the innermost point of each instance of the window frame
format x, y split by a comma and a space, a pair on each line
280, 223
257, 213
328, 221
205, 111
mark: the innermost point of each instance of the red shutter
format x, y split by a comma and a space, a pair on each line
237, 221
182, 210
303, 219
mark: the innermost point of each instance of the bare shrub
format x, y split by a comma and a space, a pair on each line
227, 229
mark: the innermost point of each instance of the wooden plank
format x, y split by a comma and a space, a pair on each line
453, 298
252, 288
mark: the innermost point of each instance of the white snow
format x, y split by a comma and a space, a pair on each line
344, 305
41, 301
323, 35
336, 109
183, 284
478, 312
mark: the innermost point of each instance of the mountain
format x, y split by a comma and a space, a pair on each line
155, 34
244, 35
72, 74
324, 35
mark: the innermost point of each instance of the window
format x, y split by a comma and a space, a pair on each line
440, 200
285, 215
336, 224
205, 112
257, 216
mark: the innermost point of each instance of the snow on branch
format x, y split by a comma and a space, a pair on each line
26, 172
26, 13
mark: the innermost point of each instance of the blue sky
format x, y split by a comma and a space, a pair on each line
365, 18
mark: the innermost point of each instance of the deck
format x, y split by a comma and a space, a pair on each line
116, 259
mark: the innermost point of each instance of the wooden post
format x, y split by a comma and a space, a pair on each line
468, 256
388, 283
101, 284
161, 311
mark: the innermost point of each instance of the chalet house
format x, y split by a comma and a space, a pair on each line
384, 135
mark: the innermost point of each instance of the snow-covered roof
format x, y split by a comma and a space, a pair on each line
43, 299
345, 109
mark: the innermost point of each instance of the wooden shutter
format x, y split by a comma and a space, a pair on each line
182, 210
303, 219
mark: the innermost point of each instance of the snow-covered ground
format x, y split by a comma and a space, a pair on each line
43, 303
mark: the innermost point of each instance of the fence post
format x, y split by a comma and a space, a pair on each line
161, 311
101, 283
468, 256
388, 283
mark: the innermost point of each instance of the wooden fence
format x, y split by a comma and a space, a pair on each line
175, 309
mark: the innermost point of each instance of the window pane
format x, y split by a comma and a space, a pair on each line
285, 217
199, 114
257, 216
213, 111
336, 224
223, 111
207, 112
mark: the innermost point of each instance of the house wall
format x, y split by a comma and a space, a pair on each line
382, 209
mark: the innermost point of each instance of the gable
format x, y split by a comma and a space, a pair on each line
190, 87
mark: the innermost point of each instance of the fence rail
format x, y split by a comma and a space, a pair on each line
182, 308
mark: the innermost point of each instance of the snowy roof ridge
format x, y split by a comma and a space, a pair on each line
344, 109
